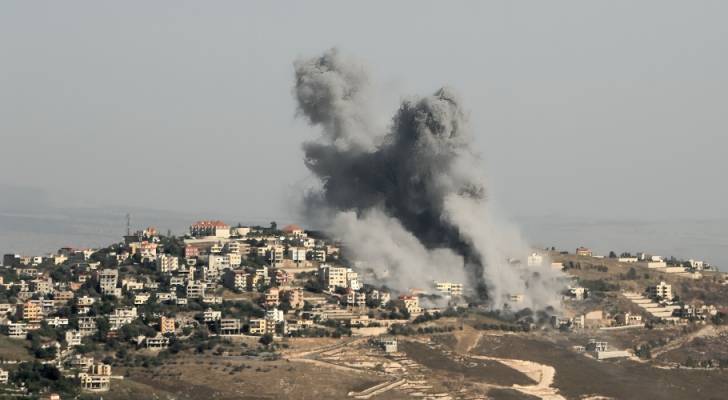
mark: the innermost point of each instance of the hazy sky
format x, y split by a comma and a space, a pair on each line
609, 109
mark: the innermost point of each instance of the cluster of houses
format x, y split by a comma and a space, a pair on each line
660, 303
212, 264
657, 302
690, 268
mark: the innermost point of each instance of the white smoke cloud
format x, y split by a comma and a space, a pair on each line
394, 254
410, 201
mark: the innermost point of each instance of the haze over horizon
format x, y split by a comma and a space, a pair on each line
611, 111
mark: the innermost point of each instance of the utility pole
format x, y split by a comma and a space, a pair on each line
128, 224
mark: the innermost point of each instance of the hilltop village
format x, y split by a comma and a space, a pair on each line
175, 311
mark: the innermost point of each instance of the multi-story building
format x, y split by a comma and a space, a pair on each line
192, 251
210, 228
297, 254
318, 255
218, 262
96, 379
42, 286
157, 342
258, 326
61, 297
275, 255
87, 326
167, 263
57, 322
230, 326
355, 298
167, 297
352, 279
31, 312
108, 279
234, 260
17, 330
216, 248
146, 250
449, 288
211, 315
236, 280
212, 299
295, 298
280, 276
73, 338
272, 297
195, 290
275, 315
121, 317
232, 247
333, 277
132, 285
661, 290
84, 304
259, 278
81, 363
411, 304
166, 325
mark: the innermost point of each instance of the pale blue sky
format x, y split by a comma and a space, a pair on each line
610, 109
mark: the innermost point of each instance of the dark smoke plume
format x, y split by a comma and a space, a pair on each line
411, 201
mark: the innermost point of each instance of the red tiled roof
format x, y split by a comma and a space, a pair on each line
291, 228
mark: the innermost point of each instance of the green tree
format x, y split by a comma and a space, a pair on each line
266, 339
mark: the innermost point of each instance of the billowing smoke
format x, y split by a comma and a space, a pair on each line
409, 201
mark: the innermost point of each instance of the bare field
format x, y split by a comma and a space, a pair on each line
197, 377
579, 376
14, 349
451, 365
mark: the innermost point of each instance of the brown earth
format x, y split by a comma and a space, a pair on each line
579, 376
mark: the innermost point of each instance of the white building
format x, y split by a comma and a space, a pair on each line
211, 315
195, 290
661, 290
96, 379
167, 263
217, 229
108, 279
535, 260
17, 330
411, 304
578, 292
449, 288
352, 280
333, 277
297, 254
697, 265
121, 317
141, 298
275, 315
73, 338
355, 298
